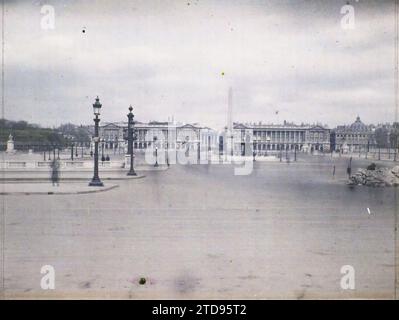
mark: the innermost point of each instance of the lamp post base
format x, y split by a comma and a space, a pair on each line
96, 182
131, 173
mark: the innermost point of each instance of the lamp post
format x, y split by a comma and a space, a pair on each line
130, 124
286, 152
102, 151
254, 150
167, 146
156, 157
71, 148
156, 151
96, 182
199, 152
232, 144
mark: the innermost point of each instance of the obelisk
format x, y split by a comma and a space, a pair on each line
230, 121
230, 111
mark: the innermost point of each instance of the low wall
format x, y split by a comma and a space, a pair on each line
63, 164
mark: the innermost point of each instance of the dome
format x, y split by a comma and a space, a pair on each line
358, 125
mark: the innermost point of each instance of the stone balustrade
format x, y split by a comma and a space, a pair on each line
64, 164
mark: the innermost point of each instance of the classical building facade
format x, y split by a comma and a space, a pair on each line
234, 138
162, 135
354, 137
288, 136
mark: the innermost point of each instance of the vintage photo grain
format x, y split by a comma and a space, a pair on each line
199, 149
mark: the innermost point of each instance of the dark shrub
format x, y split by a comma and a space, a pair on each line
371, 166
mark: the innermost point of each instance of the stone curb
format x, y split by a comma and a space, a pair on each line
47, 170
40, 180
58, 193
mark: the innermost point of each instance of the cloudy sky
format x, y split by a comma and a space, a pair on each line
180, 57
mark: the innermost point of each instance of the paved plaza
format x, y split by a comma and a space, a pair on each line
199, 231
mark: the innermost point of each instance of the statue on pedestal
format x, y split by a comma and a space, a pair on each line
10, 144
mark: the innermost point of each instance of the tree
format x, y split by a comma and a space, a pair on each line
394, 135
20, 125
79, 134
381, 137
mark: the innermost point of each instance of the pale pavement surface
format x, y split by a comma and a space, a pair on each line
198, 231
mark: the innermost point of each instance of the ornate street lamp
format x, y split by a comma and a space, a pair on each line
102, 140
96, 182
130, 124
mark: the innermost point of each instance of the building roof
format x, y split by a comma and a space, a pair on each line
153, 124
357, 126
286, 125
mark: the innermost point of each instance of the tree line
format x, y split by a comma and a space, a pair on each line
32, 136
387, 137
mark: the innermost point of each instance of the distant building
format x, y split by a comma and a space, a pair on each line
161, 134
264, 137
354, 137
287, 136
